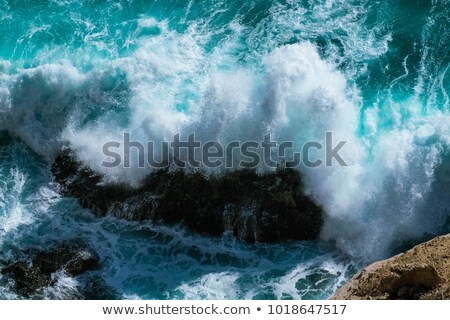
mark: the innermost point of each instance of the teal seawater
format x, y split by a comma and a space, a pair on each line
83, 72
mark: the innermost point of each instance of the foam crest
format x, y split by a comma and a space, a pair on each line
36, 104
239, 81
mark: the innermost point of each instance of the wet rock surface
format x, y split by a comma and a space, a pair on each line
39, 269
266, 208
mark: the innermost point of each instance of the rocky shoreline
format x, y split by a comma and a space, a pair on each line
269, 208
272, 207
422, 273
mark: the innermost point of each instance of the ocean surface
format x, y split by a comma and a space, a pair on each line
82, 72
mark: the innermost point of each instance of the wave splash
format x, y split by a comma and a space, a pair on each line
226, 76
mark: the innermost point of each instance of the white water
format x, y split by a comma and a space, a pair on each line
172, 87
253, 81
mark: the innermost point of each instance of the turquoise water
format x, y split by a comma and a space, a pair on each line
83, 72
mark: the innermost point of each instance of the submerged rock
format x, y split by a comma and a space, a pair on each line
420, 273
97, 289
38, 270
265, 208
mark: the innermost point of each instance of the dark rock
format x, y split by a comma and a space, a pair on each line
136, 208
84, 184
27, 278
265, 208
36, 272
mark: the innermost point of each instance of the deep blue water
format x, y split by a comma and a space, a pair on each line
81, 72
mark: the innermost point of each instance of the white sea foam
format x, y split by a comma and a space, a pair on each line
390, 192
214, 286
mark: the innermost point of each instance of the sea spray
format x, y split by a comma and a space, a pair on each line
83, 72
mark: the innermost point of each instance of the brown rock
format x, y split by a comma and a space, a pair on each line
420, 273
